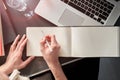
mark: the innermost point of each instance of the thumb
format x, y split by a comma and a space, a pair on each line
26, 62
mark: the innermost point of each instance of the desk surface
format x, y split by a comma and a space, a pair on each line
20, 23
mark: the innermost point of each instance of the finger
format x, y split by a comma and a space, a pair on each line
26, 62
22, 45
48, 38
13, 46
20, 42
53, 39
42, 43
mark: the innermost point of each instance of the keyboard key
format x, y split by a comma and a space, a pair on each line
110, 7
82, 5
100, 11
88, 13
94, 3
93, 7
98, 5
102, 22
108, 3
99, 19
75, 1
89, 9
103, 17
108, 11
105, 5
95, 18
101, 7
66, 1
86, 7
77, 7
91, 1
82, 1
98, 0
97, 9
93, 11
101, 2
89, 5
91, 15
79, 3
105, 9
86, 3
105, 14
96, 13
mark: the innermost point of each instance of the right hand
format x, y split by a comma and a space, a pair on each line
50, 57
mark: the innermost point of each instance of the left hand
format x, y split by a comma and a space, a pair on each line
14, 59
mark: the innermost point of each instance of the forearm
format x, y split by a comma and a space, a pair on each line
57, 71
3, 76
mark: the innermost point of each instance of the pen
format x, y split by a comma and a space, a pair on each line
47, 43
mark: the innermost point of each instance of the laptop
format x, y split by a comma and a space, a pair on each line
79, 12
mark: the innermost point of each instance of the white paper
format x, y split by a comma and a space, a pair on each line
77, 41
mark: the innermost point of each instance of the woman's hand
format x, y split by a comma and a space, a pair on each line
14, 59
50, 57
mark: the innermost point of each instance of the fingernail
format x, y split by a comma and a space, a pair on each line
18, 35
23, 34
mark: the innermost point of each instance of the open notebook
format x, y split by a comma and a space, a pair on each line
1, 39
77, 41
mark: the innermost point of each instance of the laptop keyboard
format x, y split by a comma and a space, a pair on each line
98, 10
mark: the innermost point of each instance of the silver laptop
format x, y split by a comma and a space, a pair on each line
79, 12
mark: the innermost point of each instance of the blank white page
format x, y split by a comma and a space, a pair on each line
35, 35
95, 42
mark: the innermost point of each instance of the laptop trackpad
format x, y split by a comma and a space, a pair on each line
69, 18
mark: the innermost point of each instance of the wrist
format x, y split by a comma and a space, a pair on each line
53, 63
57, 71
54, 66
4, 69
